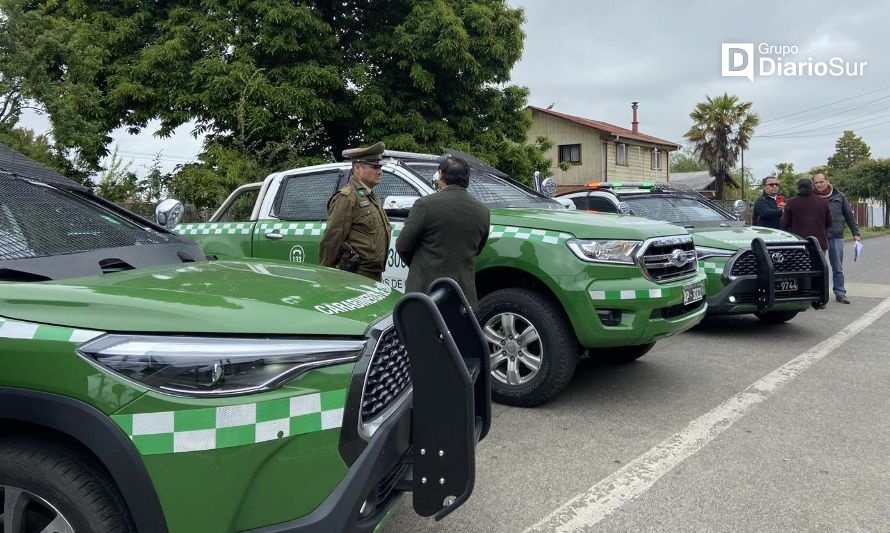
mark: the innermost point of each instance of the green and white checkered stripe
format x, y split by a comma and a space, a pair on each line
14, 329
214, 228
643, 294
528, 234
710, 268
293, 228
213, 428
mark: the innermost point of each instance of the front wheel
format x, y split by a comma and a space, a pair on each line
533, 349
776, 317
46, 488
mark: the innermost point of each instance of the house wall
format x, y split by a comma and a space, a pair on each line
639, 164
564, 132
592, 167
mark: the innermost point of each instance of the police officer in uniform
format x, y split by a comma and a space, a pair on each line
444, 232
356, 216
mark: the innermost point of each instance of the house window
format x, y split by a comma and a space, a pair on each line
656, 159
570, 153
621, 154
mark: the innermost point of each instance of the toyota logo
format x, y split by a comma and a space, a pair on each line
679, 257
777, 257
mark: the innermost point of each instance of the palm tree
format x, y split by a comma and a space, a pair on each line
722, 126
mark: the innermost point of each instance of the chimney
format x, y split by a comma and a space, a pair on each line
635, 126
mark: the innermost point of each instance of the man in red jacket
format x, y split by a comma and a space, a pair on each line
807, 214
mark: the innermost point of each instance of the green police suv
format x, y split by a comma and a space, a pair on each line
552, 282
145, 388
773, 274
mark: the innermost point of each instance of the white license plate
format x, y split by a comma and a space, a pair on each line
693, 292
786, 285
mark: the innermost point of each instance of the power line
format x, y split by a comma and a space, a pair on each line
858, 111
826, 105
818, 135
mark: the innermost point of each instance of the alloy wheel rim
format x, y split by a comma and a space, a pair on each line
516, 349
23, 511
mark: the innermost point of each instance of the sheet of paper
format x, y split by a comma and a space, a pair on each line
857, 250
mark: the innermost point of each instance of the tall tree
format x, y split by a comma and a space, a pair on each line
848, 150
787, 179
868, 179
722, 126
280, 82
686, 161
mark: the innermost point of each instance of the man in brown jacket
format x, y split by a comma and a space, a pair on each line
444, 232
356, 216
807, 214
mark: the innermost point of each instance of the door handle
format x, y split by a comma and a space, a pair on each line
274, 235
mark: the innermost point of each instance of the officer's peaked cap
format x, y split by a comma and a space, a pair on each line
370, 154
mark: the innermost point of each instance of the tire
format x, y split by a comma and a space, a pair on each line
776, 317
525, 329
625, 354
57, 489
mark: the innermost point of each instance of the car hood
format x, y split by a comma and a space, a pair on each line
584, 224
220, 297
738, 238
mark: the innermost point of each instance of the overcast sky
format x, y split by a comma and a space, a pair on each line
592, 59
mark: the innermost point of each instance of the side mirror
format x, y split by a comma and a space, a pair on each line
168, 213
623, 208
548, 187
398, 206
739, 206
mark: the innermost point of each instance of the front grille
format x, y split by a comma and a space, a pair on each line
667, 258
388, 376
793, 259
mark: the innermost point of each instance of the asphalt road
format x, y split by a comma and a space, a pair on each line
733, 426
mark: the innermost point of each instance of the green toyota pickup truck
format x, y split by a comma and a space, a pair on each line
552, 281
773, 274
145, 388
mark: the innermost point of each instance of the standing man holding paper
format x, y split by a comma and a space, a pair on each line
841, 213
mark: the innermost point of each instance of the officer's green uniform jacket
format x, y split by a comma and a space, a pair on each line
442, 236
355, 215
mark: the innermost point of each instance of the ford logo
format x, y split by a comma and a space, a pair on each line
777, 257
679, 257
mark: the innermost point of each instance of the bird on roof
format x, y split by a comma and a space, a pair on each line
551, 105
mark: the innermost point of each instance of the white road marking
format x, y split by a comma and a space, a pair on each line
599, 501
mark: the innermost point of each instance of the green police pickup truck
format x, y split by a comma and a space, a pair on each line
551, 281
773, 274
145, 388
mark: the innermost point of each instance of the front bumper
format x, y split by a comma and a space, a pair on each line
427, 444
755, 292
626, 312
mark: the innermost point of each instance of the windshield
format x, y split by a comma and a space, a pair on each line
674, 209
38, 220
491, 190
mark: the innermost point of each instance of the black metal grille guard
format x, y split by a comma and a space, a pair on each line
765, 295
452, 394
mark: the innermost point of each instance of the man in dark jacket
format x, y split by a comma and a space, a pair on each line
841, 212
807, 214
444, 232
767, 212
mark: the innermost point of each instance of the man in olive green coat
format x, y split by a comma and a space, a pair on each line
356, 216
444, 233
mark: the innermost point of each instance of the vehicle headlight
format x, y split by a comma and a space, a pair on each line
208, 366
704, 252
604, 251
